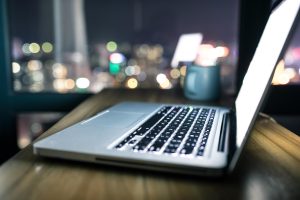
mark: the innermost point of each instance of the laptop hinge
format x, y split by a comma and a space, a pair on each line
232, 134
222, 138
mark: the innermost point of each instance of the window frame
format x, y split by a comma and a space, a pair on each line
12, 103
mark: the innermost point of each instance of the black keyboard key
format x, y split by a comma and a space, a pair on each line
166, 134
132, 142
146, 126
187, 150
168, 128
180, 134
194, 134
151, 135
157, 145
200, 152
153, 120
170, 149
205, 136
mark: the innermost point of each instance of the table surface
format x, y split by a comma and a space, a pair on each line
269, 167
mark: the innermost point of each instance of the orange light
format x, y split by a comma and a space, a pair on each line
222, 51
132, 83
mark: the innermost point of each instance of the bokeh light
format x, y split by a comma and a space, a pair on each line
69, 84
117, 58
59, 85
114, 68
37, 76
282, 75
59, 70
47, 47
111, 46
175, 73
16, 68
291, 72
25, 48
132, 70
132, 83
161, 78
163, 81
34, 65
183, 70
207, 55
34, 47
82, 83
222, 51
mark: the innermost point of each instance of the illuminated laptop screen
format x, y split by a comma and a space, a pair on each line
258, 77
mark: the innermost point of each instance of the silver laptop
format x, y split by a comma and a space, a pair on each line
179, 138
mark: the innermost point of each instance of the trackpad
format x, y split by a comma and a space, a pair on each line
117, 119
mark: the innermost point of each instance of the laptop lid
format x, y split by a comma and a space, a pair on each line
258, 78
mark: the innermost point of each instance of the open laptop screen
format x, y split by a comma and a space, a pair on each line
259, 74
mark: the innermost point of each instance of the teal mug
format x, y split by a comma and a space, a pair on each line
202, 83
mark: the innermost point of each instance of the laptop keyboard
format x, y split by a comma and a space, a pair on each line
173, 130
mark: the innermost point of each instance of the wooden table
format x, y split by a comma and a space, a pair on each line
269, 167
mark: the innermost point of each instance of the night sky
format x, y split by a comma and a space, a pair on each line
158, 21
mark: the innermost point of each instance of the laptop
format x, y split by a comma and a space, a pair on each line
189, 139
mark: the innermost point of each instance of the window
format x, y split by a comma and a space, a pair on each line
85, 46
288, 69
65, 50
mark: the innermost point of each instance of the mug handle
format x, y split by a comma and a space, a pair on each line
190, 82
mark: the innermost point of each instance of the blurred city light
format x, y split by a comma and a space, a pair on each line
37, 76
183, 70
69, 84
296, 53
111, 46
132, 70
291, 72
175, 73
222, 51
59, 85
283, 75
25, 49
163, 81
132, 62
207, 55
166, 84
82, 83
17, 85
146, 64
34, 65
24, 141
114, 68
117, 58
34, 47
278, 71
16, 67
132, 83
59, 70
283, 79
36, 87
47, 47
160, 78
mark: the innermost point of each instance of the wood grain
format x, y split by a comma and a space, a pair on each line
269, 167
